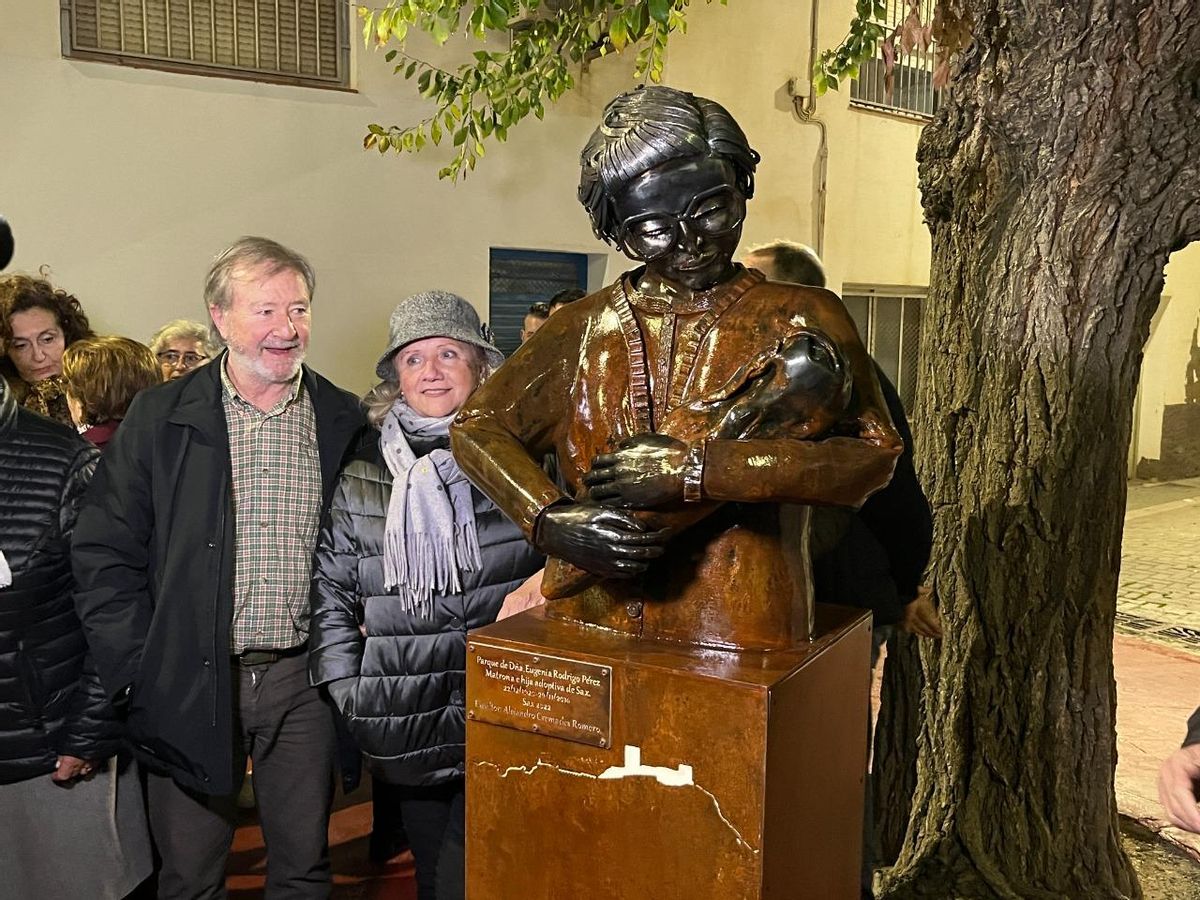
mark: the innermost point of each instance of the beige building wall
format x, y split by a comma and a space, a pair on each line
745, 55
1164, 365
125, 182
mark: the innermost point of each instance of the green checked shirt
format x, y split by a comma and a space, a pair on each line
276, 512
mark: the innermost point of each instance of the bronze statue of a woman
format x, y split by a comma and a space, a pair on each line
696, 409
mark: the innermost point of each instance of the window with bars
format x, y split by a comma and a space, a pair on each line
911, 89
289, 41
520, 278
890, 327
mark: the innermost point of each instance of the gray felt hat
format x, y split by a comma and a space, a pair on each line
435, 314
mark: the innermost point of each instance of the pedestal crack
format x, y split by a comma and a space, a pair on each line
608, 775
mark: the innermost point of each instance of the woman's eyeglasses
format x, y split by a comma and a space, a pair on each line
174, 358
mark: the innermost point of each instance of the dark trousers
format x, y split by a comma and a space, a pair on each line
434, 818
287, 729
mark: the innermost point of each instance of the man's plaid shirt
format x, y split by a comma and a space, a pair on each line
277, 508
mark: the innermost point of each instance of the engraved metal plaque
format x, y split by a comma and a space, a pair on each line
564, 698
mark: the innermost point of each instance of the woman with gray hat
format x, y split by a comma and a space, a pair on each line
410, 557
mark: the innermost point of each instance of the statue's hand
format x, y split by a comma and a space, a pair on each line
606, 542
645, 471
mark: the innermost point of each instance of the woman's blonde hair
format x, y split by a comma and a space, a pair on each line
104, 373
381, 398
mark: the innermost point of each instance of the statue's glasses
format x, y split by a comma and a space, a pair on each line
713, 213
174, 358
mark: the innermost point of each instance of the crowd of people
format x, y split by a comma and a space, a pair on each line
264, 567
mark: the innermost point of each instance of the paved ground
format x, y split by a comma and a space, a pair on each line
1159, 596
1156, 654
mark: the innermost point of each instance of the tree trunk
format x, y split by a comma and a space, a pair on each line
1061, 173
894, 770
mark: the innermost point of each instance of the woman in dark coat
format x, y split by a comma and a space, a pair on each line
74, 823
410, 558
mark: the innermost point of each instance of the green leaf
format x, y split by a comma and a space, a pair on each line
435, 131
412, 67
423, 81
390, 55
460, 136
376, 129
618, 32
660, 10
440, 31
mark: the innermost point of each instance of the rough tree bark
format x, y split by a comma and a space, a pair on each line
894, 777
1063, 170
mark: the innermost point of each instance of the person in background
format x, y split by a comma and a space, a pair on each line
787, 261
193, 556
38, 323
411, 556
101, 376
873, 558
534, 319
182, 345
565, 296
75, 827
877, 556
1179, 780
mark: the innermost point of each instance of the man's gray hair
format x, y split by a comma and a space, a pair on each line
793, 262
184, 330
248, 253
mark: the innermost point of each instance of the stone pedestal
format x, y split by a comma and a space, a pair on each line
603, 766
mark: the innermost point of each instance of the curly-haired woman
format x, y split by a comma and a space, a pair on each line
37, 323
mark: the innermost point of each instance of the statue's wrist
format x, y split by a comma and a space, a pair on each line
538, 536
693, 472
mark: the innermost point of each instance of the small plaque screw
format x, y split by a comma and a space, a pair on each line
537, 659
471, 714
535, 728
470, 648
603, 743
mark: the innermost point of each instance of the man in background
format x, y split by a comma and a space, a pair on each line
565, 296
534, 319
875, 558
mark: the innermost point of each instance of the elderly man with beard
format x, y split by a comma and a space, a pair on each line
193, 557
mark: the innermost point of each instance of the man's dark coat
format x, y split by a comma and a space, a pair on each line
153, 558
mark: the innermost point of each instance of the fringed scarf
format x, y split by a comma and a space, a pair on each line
430, 537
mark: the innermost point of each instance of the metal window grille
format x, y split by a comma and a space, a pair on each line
520, 278
290, 41
912, 78
890, 327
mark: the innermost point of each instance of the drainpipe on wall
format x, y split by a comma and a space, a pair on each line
804, 101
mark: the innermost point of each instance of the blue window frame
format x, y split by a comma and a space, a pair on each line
520, 278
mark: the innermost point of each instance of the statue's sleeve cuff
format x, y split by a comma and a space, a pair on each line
693, 473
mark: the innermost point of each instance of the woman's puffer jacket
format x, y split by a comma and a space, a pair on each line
51, 702
401, 688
